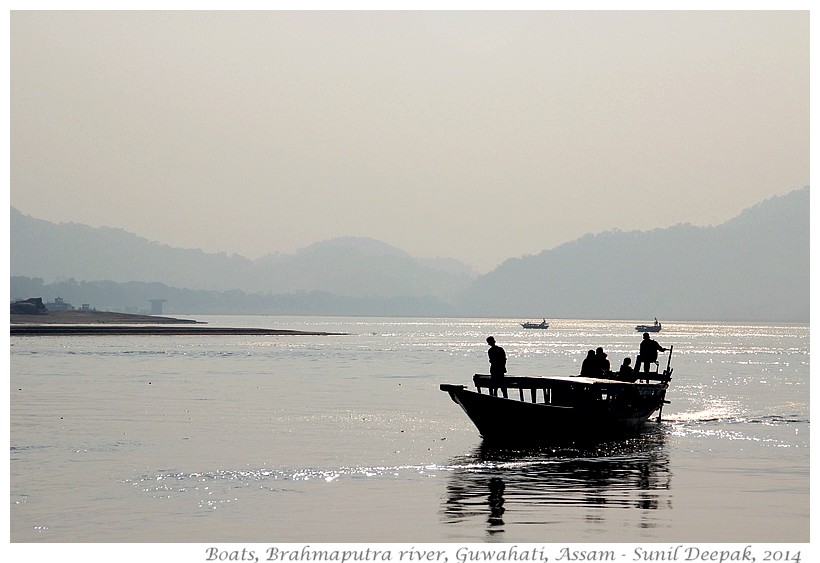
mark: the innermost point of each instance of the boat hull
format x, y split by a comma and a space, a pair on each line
598, 411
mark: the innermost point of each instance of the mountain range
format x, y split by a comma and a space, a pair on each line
754, 267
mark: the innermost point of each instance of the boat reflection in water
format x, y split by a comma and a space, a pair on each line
550, 493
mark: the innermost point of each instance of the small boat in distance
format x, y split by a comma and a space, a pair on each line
542, 324
562, 408
649, 328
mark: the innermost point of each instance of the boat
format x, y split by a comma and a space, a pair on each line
542, 324
650, 328
561, 408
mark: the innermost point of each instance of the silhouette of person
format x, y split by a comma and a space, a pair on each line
590, 366
496, 502
603, 363
648, 353
626, 373
498, 366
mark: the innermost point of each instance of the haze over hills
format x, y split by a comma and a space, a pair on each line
753, 267
357, 267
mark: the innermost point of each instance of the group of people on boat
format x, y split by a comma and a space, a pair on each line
594, 365
597, 365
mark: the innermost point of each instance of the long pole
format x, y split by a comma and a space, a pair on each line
668, 374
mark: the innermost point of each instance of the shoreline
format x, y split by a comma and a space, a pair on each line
157, 330
94, 317
89, 323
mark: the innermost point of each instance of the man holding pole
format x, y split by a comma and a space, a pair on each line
648, 353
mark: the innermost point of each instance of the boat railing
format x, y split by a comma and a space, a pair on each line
662, 377
522, 383
550, 386
554, 390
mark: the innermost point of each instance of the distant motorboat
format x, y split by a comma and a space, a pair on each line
649, 328
542, 324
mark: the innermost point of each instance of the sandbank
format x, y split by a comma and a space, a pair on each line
83, 322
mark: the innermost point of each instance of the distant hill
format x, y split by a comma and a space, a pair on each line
70, 250
354, 267
753, 267
360, 267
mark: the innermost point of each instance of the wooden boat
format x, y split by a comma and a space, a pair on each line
542, 324
555, 409
649, 328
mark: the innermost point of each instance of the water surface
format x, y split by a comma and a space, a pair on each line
348, 438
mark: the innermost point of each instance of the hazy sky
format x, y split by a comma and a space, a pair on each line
473, 135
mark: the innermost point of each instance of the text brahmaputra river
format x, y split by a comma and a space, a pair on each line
507, 554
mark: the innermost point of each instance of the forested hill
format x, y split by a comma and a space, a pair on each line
753, 267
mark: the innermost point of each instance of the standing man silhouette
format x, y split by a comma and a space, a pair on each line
498, 366
648, 353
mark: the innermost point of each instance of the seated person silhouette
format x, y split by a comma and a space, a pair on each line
626, 373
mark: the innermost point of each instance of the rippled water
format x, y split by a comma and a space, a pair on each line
348, 438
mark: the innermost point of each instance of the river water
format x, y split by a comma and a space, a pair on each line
271, 439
